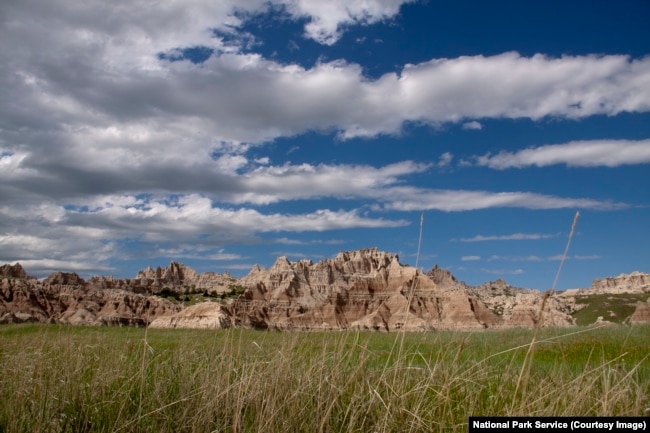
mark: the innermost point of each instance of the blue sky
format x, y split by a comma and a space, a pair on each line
226, 134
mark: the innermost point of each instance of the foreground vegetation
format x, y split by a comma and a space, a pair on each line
83, 379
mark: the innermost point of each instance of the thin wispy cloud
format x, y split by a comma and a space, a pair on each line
592, 153
558, 257
503, 271
510, 237
530, 258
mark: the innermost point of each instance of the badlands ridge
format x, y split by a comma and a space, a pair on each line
364, 289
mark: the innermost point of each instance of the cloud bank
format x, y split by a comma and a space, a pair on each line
110, 136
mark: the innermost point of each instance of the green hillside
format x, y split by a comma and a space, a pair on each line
613, 308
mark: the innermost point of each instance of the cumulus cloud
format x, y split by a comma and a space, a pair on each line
92, 233
270, 184
75, 75
173, 218
105, 128
89, 107
328, 19
590, 153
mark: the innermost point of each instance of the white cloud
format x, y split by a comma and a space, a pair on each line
531, 258
288, 241
445, 160
558, 257
504, 271
588, 257
90, 235
197, 251
510, 237
417, 199
329, 18
43, 267
89, 108
101, 137
270, 184
189, 215
592, 153
473, 125
470, 258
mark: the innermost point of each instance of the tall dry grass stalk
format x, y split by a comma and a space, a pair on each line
524, 374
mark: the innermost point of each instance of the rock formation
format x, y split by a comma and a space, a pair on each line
364, 289
641, 313
13, 271
369, 289
182, 279
206, 315
626, 288
67, 298
636, 282
517, 307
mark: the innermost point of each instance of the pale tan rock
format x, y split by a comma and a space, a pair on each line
205, 315
641, 313
369, 289
364, 289
634, 283
182, 279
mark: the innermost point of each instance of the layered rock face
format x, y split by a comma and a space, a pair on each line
365, 289
517, 307
206, 315
636, 282
67, 298
369, 289
175, 278
641, 313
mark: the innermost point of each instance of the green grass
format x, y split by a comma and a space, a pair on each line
86, 379
612, 308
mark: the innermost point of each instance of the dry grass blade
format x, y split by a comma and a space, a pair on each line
525, 368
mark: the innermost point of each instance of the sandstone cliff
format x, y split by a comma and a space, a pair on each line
67, 298
13, 271
641, 313
369, 289
206, 315
364, 289
636, 282
182, 279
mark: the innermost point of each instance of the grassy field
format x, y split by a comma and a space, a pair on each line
612, 308
85, 379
